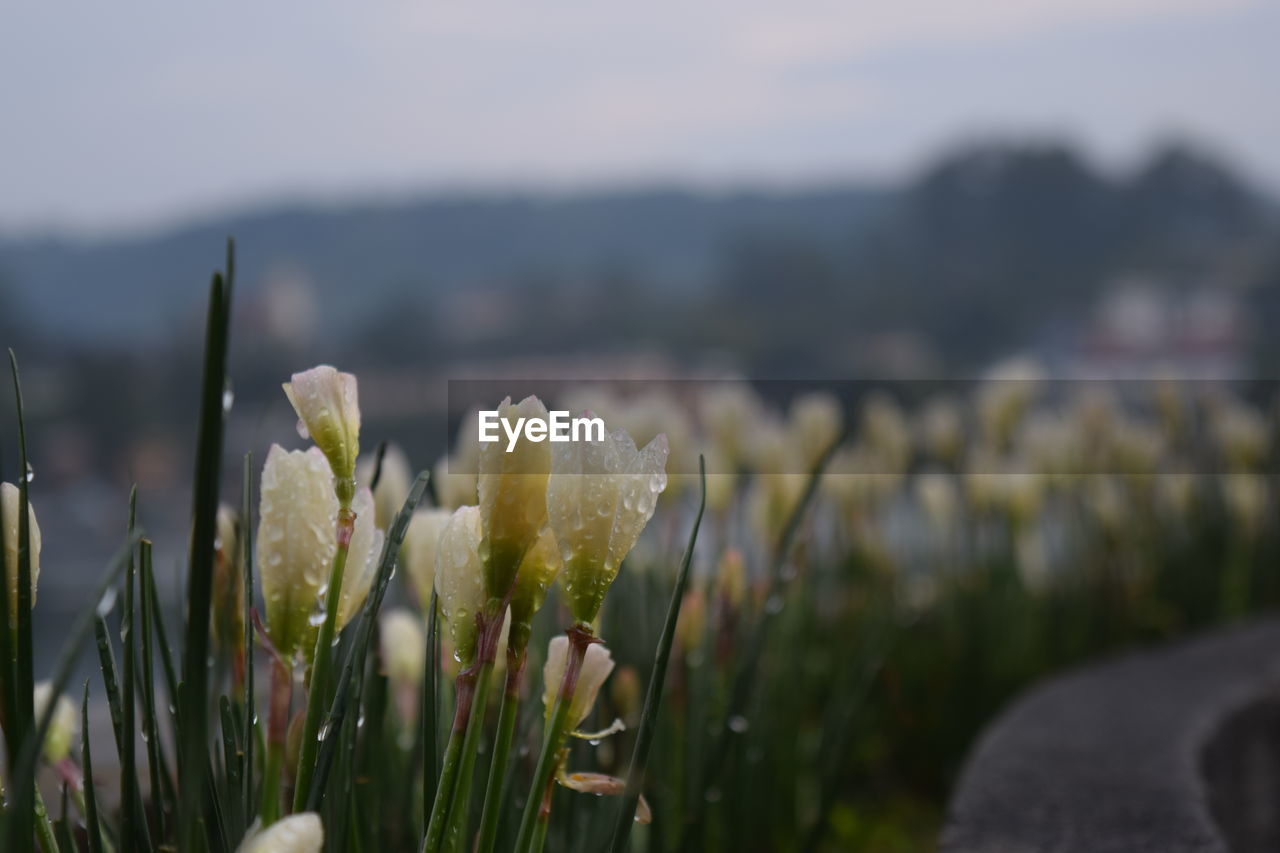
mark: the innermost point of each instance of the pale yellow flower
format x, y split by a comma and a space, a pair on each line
329, 414
513, 495
299, 833
9, 506
296, 542
600, 496
460, 580
596, 666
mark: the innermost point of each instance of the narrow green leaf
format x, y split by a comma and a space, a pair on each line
133, 821
193, 706
657, 683
745, 679
430, 702
20, 721
24, 767
359, 650
246, 537
162, 794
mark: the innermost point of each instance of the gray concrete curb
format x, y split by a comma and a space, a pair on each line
1112, 758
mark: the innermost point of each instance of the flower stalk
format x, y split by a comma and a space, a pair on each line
317, 695
581, 637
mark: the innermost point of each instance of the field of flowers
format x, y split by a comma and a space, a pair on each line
738, 622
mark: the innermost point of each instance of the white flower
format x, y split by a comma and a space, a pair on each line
404, 646
329, 411
296, 542
460, 580
363, 555
596, 666
539, 569
513, 496
393, 484
299, 833
814, 425
600, 496
9, 500
420, 543
64, 725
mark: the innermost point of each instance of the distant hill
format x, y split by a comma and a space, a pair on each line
362, 258
972, 258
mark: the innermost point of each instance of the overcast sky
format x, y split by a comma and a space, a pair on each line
129, 114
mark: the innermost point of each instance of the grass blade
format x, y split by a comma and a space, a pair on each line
90, 795
24, 767
193, 707
22, 711
745, 678
162, 794
359, 650
246, 537
657, 683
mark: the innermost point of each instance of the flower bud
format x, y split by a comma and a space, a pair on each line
600, 496
9, 506
363, 555
393, 484
420, 543
513, 496
460, 580
815, 423
329, 414
299, 833
296, 542
404, 646
64, 725
228, 584
596, 666
538, 570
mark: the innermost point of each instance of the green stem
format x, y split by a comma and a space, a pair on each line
44, 829
449, 769
540, 833
507, 713
460, 806
277, 735
317, 696
580, 636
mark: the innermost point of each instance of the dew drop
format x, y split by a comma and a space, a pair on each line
773, 604
316, 619
228, 399
31, 473
738, 724
323, 734
107, 602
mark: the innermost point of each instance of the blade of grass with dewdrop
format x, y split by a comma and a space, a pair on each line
744, 681
162, 642
133, 821
21, 711
430, 712
360, 646
246, 538
657, 683
232, 752
92, 826
162, 793
193, 706
23, 767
